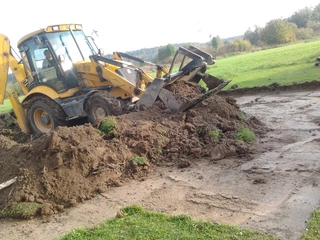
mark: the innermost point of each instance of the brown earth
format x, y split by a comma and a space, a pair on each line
76, 166
73, 164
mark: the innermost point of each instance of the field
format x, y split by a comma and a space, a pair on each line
285, 65
201, 164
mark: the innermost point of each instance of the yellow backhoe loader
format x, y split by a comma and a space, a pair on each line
64, 76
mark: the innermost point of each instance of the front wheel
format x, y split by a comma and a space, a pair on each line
44, 115
101, 105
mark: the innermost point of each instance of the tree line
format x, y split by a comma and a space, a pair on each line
301, 25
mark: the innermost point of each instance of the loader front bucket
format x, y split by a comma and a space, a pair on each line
192, 65
178, 103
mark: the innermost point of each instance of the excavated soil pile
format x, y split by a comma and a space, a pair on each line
73, 164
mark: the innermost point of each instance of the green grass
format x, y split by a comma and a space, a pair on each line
214, 135
22, 210
283, 65
162, 131
313, 229
107, 126
139, 161
138, 223
245, 135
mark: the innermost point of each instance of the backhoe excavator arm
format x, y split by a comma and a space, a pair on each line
160, 68
4, 66
6, 61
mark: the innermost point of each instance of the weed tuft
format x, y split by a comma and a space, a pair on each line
139, 161
107, 126
214, 135
245, 135
24, 210
162, 131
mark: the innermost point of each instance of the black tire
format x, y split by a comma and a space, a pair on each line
101, 105
45, 115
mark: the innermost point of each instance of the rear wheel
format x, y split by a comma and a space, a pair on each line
101, 105
44, 115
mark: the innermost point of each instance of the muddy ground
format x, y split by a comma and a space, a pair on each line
79, 177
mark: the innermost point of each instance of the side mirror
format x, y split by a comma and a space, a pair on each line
101, 52
61, 58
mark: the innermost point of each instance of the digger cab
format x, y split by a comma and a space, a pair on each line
49, 56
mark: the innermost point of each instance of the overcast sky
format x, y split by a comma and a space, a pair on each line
127, 25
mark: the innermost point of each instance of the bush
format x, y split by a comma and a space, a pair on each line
304, 33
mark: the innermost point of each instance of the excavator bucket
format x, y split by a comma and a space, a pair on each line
193, 63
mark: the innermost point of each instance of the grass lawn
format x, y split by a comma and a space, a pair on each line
284, 65
138, 223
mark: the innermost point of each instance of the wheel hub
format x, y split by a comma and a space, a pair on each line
100, 112
45, 119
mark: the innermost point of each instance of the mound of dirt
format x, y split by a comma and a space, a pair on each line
73, 164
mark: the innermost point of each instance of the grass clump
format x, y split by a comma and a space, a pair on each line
137, 223
162, 131
107, 126
313, 228
139, 161
24, 210
242, 116
245, 135
214, 135
158, 151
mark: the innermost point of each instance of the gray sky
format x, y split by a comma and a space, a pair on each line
131, 25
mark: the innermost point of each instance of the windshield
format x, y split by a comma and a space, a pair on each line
51, 58
66, 48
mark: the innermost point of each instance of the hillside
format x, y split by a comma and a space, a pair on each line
283, 65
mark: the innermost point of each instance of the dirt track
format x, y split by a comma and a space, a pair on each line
274, 191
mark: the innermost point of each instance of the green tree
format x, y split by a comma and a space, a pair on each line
216, 42
254, 37
166, 51
279, 31
301, 17
316, 13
